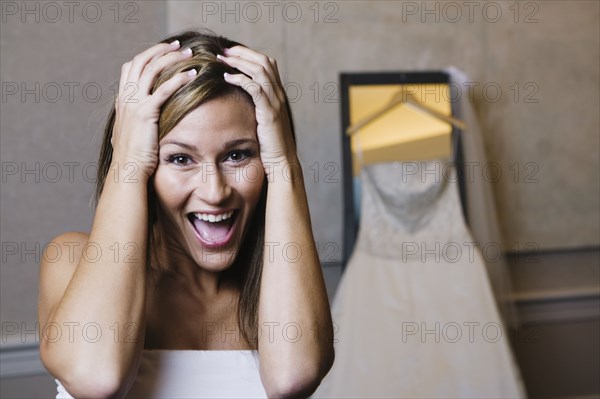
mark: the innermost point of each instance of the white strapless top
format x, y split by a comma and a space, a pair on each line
194, 374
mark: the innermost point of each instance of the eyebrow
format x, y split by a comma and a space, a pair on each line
191, 147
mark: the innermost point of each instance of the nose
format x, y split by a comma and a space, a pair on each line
212, 186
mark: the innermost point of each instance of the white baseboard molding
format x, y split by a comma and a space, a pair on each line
559, 306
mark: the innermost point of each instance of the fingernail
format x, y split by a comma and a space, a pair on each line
187, 51
226, 75
192, 72
219, 56
175, 43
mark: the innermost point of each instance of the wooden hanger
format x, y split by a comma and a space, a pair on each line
402, 97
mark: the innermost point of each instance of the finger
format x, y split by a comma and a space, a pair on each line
255, 56
260, 99
259, 74
139, 61
159, 64
255, 59
166, 90
124, 73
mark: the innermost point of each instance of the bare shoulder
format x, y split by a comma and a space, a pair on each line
57, 266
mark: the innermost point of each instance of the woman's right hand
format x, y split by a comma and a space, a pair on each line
135, 133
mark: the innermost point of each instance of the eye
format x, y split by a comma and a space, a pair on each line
179, 159
239, 155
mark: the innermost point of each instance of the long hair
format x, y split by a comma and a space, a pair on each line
208, 84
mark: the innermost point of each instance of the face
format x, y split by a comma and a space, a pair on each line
208, 181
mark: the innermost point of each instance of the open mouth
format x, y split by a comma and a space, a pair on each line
216, 232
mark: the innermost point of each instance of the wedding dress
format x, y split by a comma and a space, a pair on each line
414, 313
194, 374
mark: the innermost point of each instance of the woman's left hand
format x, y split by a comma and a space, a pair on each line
273, 130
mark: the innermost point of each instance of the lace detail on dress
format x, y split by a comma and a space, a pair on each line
408, 200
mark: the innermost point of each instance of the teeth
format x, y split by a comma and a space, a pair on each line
213, 218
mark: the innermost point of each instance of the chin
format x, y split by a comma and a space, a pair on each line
216, 260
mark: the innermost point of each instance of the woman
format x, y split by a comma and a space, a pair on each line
201, 250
